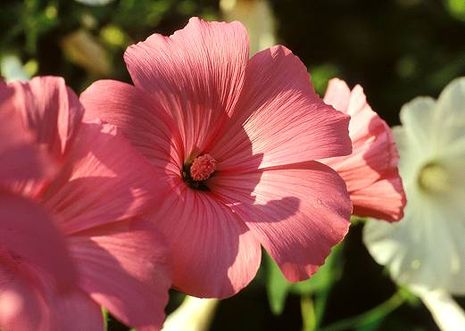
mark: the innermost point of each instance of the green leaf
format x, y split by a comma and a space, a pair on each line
277, 286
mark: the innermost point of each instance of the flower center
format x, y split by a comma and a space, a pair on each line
196, 173
433, 178
203, 167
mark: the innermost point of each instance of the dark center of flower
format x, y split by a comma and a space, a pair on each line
196, 174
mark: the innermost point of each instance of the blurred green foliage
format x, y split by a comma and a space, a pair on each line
84, 43
457, 8
396, 49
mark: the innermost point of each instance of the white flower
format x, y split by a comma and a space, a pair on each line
426, 250
194, 314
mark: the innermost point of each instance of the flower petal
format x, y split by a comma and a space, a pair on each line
370, 172
194, 314
71, 310
338, 95
450, 102
296, 214
417, 117
384, 199
29, 299
75, 311
99, 184
28, 232
411, 160
451, 117
198, 72
406, 247
123, 267
21, 158
140, 118
213, 253
447, 313
284, 119
49, 109
21, 306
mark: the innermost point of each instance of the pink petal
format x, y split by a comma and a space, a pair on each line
297, 214
213, 253
74, 311
50, 109
197, 73
140, 118
21, 159
29, 300
21, 306
28, 232
384, 199
370, 172
124, 268
284, 120
104, 181
338, 95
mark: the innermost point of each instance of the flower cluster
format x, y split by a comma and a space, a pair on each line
179, 180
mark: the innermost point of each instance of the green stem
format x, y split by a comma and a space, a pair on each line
321, 300
372, 315
308, 313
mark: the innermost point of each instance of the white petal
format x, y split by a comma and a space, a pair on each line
447, 314
425, 249
451, 100
451, 116
417, 117
411, 159
194, 314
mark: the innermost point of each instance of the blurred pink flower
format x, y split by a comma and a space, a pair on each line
70, 243
370, 172
236, 139
26, 232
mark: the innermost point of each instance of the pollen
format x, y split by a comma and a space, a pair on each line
202, 167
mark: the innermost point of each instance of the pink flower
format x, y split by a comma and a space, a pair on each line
70, 243
236, 139
370, 172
